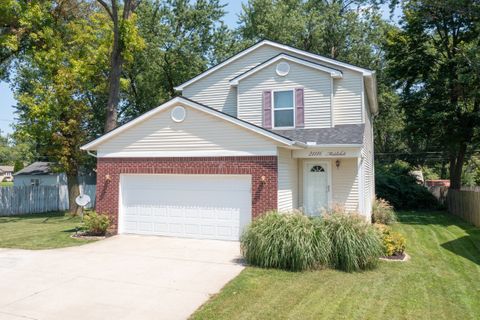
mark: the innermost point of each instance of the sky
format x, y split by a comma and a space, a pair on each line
7, 101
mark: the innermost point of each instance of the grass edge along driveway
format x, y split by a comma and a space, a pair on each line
441, 281
39, 231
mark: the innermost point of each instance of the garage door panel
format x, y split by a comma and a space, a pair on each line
197, 206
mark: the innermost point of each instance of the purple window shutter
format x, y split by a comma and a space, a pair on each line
299, 108
267, 109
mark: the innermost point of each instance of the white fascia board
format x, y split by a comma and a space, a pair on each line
91, 145
365, 72
337, 145
177, 154
218, 66
333, 73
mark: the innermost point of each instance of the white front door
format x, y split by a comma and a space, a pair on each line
193, 206
316, 187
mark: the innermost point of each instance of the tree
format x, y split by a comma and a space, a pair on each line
348, 30
57, 88
182, 39
18, 166
435, 57
14, 150
122, 24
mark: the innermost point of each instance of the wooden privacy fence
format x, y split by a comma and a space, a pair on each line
465, 204
37, 199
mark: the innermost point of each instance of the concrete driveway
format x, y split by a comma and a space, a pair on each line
123, 277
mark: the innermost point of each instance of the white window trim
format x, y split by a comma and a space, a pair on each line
293, 109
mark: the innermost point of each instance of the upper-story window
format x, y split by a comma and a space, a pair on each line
283, 109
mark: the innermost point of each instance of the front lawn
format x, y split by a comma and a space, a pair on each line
441, 281
6, 184
39, 231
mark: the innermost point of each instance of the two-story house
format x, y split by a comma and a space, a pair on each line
271, 128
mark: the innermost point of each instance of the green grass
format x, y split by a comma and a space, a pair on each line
6, 184
39, 231
441, 281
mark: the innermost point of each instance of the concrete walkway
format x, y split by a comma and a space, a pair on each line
123, 277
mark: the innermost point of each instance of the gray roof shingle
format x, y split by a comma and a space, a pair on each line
36, 168
341, 134
6, 169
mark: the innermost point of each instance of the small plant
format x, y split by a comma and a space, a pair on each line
356, 245
289, 241
382, 212
96, 224
393, 242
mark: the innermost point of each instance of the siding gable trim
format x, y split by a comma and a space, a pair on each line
192, 104
336, 74
364, 71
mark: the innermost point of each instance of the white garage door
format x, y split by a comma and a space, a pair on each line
194, 206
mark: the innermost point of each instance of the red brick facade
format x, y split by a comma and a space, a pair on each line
264, 193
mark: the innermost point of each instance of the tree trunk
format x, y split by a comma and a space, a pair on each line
443, 172
116, 64
456, 174
73, 193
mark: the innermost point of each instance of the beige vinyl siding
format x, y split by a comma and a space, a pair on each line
344, 186
317, 93
199, 132
287, 180
215, 91
347, 98
368, 162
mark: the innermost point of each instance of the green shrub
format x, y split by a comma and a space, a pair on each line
394, 184
289, 241
393, 242
96, 224
356, 244
382, 212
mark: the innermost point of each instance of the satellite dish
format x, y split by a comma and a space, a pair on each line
82, 200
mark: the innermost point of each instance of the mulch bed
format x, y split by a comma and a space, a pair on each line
87, 236
401, 258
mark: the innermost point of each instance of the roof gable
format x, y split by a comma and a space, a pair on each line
333, 72
283, 47
36, 168
93, 145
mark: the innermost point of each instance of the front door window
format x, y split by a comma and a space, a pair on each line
315, 188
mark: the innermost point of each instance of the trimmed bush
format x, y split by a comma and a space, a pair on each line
356, 244
393, 242
382, 212
394, 183
96, 224
289, 241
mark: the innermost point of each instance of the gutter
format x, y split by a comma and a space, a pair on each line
91, 154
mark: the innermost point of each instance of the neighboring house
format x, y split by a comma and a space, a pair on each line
6, 173
39, 173
272, 127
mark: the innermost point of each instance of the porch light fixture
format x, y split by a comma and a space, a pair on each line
337, 163
263, 179
108, 177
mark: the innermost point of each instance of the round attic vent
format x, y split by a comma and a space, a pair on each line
283, 68
178, 114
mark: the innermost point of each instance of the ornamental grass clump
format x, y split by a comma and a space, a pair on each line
356, 244
383, 212
289, 241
